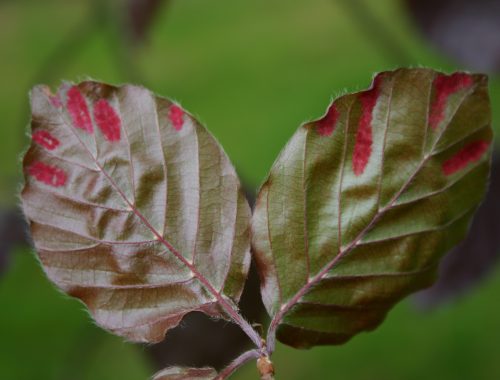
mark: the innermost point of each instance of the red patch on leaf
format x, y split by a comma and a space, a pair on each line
50, 175
326, 125
45, 139
55, 101
176, 117
108, 120
472, 152
78, 110
364, 138
444, 86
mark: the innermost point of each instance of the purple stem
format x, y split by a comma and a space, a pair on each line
237, 363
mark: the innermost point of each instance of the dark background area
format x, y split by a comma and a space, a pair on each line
252, 71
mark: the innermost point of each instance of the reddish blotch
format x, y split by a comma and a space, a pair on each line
107, 120
472, 152
176, 116
48, 174
55, 101
326, 125
77, 108
444, 86
364, 138
45, 139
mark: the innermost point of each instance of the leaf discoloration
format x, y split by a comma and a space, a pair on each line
469, 154
78, 109
445, 86
48, 174
364, 140
107, 120
327, 124
176, 116
45, 139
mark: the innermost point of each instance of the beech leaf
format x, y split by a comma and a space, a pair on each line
361, 205
181, 373
134, 208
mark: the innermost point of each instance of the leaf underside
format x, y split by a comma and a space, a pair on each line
180, 373
360, 205
134, 208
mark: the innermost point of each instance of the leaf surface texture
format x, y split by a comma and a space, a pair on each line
134, 208
361, 204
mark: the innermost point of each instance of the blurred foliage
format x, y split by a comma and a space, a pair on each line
465, 30
269, 65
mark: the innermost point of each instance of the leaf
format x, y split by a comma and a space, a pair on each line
360, 205
134, 208
180, 373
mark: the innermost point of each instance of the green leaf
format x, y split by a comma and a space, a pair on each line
181, 373
361, 204
134, 208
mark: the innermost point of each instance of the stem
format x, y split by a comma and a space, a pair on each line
266, 368
237, 363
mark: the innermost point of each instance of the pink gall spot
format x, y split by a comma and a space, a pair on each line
364, 138
444, 86
55, 101
326, 125
50, 175
472, 152
107, 120
176, 117
77, 107
45, 139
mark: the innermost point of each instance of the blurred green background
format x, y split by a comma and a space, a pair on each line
252, 71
